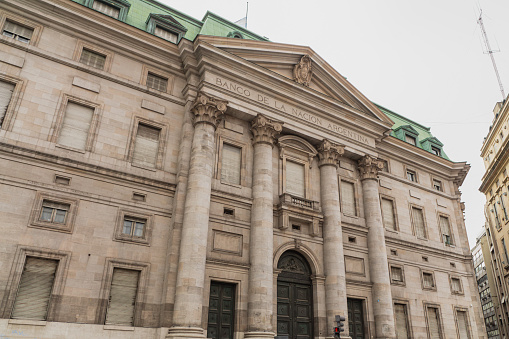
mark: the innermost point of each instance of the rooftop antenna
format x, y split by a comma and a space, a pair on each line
490, 52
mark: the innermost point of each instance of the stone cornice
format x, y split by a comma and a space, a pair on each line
369, 167
329, 153
265, 130
208, 110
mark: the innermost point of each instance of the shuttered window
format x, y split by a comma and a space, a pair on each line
6, 90
106, 9
418, 222
146, 145
433, 323
166, 35
396, 274
92, 58
18, 32
348, 205
76, 125
446, 230
427, 280
400, 310
463, 325
230, 164
124, 286
410, 139
295, 179
34, 289
157, 82
388, 214
456, 285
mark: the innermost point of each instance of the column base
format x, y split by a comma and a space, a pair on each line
259, 335
178, 332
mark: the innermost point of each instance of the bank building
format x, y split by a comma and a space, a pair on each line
168, 177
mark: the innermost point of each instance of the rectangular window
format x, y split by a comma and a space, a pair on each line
348, 205
18, 32
436, 150
456, 285
503, 207
497, 219
146, 145
34, 290
122, 298
157, 82
134, 227
427, 280
410, 175
396, 274
388, 214
418, 222
53, 212
410, 139
165, 34
106, 9
295, 179
445, 226
231, 163
76, 125
505, 252
463, 330
401, 319
6, 90
93, 59
433, 316
437, 185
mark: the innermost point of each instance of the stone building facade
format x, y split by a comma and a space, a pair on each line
166, 177
495, 186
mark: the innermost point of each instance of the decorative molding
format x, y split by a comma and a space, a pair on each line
369, 167
329, 153
265, 130
302, 72
208, 110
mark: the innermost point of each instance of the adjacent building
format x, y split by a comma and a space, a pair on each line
168, 177
486, 284
495, 186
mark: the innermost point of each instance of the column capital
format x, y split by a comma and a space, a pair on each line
208, 110
329, 153
369, 167
265, 130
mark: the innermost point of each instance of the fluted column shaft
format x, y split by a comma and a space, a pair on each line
260, 294
187, 315
333, 257
378, 267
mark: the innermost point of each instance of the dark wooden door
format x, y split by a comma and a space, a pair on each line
294, 312
355, 319
221, 311
294, 297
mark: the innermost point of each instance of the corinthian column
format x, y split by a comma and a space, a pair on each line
260, 294
378, 268
333, 258
187, 315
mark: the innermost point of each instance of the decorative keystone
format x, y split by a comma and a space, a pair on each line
208, 110
302, 71
369, 167
265, 130
329, 153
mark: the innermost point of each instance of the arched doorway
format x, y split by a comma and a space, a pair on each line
294, 297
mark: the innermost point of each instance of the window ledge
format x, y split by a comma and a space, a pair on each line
27, 322
152, 169
118, 328
70, 148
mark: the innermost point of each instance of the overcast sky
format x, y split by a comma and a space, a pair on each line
421, 59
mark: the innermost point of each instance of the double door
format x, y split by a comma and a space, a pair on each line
294, 310
355, 318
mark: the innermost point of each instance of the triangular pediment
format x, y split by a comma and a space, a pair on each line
281, 59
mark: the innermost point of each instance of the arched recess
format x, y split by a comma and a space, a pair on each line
316, 268
295, 318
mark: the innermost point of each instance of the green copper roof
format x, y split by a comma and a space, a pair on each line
211, 24
422, 134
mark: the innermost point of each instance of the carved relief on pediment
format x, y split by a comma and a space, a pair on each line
302, 71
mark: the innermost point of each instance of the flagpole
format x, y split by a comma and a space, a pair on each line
247, 9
